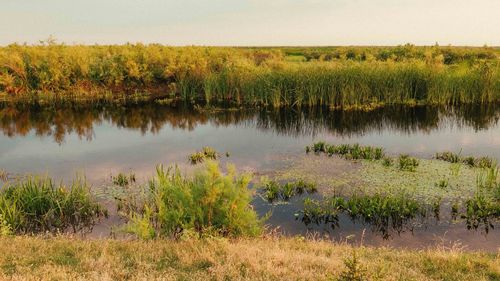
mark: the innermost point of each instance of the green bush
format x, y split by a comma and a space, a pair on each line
209, 203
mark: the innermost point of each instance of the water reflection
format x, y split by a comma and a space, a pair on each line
59, 121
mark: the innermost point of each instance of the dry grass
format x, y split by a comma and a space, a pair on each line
35, 258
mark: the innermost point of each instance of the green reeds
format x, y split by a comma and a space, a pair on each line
37, 205
123, 180
355, 78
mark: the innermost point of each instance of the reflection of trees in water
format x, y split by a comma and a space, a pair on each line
58, 121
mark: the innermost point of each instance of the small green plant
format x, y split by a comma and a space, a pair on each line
443, 183
484, 162
387, 161
448, 156
123, 180
5, 228
272, 190
407, 163
354, 270
206, 153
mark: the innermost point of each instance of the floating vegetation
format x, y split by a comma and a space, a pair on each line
209, 203
37, 205
407, 163
207, 152
349, 151
123, 180
275, 191
480, 162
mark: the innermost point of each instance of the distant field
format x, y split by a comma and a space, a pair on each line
275, 76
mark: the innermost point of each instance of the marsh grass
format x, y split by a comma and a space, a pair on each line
349, 151
357, 78
37, 205
480, 162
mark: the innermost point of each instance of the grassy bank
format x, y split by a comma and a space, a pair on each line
335, 77
32, 258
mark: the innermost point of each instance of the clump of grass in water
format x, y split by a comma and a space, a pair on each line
123, 180
407, 163
36, 205
274, 191
209, 203
349, 151
480, 162
207, 152
383, 212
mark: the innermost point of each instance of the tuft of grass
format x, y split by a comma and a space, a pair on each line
407, 163
37, 205
123, 180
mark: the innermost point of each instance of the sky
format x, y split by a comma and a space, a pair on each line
252, 22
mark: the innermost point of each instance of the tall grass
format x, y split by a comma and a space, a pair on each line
253, 76
209, 203
37, 205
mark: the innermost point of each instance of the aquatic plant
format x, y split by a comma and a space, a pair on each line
122, 179
37, 205
480, 162
274, 191
384, 212
209, 203
481, 211
207, 152
350, 151
407, 163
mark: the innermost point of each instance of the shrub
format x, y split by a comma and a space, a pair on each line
209, 203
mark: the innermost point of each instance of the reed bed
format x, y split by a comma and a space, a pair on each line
253, 76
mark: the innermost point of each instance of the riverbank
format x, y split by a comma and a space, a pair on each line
269, 258
355, 77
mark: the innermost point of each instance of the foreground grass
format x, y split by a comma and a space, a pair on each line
34, 258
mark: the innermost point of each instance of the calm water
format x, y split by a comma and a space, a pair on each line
104, 140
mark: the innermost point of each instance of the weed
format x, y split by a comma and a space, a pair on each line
123, 180
206, 153
354, 270
208, 203
407, 163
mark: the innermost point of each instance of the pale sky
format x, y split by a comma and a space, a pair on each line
253, 22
